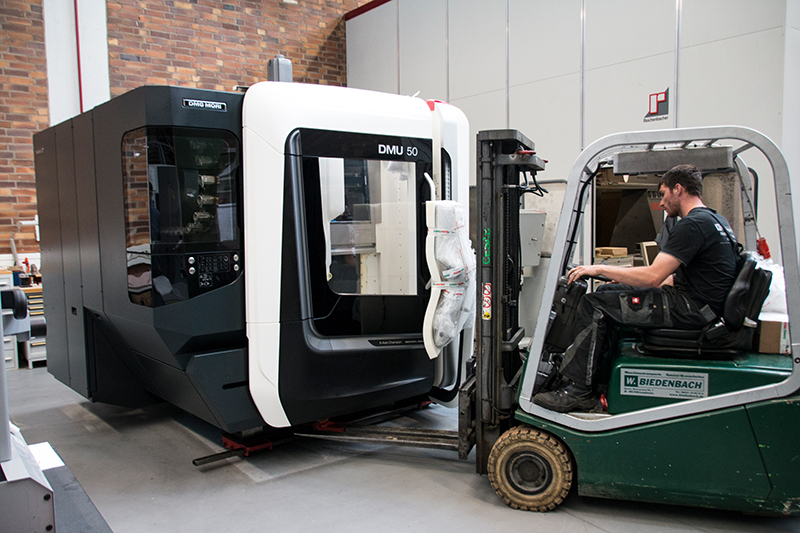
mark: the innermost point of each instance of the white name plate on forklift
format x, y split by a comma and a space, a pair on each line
661, 384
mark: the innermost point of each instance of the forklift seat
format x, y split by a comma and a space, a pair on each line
728, 335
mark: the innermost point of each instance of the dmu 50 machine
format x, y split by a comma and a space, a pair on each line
266, 259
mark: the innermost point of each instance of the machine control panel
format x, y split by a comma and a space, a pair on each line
212, 270
214, 263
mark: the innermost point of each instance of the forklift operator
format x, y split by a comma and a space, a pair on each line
684, 288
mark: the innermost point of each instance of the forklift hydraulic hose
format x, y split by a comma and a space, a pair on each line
571, 241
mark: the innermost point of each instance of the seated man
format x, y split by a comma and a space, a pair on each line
700, 252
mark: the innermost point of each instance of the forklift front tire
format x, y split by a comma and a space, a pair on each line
530, 470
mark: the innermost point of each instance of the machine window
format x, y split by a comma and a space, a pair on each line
370, 223
180, 186
181, 190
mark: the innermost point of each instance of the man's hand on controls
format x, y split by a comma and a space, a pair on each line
581, 271
654, 275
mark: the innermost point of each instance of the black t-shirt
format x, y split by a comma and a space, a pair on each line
708, 261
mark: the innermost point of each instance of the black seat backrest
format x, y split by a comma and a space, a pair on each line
747, 295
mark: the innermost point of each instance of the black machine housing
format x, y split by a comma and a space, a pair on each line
112, 337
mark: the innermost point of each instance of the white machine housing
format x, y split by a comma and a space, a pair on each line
274, 115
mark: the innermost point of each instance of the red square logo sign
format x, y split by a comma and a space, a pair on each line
656, 99
658, 106
635, 300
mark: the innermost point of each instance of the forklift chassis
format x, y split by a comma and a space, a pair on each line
734, 448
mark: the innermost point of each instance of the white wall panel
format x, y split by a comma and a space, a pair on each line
629, 55
423, 48
477, 48
705, 21
734, 81
372, 49
625, 30
790, 135
545, 40
793, 14
62, 60
739, 81
618, 96
94, 52
485, 112
548, 113
65, 90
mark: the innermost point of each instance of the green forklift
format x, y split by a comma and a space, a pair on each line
685, 419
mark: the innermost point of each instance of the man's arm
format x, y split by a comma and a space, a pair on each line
646, 276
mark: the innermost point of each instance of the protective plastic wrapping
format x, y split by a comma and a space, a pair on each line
446, 318
455, 262
776, 299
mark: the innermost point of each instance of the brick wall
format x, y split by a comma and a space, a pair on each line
208, 44
23, 111
211, 44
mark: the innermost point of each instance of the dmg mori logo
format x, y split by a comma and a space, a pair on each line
204, 104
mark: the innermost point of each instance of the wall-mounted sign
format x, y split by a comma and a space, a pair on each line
658, 107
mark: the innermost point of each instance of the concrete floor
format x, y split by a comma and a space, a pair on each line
136, 466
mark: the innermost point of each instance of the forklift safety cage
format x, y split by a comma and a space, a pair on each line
571, 213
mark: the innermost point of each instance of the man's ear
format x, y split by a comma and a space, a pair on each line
678, 189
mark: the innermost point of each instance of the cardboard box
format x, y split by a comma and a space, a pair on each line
610, 251
623, 261
773, 334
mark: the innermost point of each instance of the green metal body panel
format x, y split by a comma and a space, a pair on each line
744, 459
708, 460
777, 430
742, 372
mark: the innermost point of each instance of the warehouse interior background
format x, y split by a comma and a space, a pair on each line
563, 72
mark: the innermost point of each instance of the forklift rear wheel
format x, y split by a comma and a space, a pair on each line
530, 470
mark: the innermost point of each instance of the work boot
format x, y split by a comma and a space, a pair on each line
571, 397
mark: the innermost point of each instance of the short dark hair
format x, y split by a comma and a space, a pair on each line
688, 176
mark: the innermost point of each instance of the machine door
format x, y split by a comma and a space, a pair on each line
365, 230
183, 227
351, 338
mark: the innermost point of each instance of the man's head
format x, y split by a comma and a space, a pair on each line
679, 184
687, 176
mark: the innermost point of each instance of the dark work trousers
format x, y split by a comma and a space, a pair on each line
615, 304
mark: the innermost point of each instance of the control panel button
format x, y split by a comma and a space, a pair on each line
190, 260
191, 270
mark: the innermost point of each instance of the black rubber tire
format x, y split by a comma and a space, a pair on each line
530, 470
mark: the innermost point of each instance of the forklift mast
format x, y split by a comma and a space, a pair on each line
507, 167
